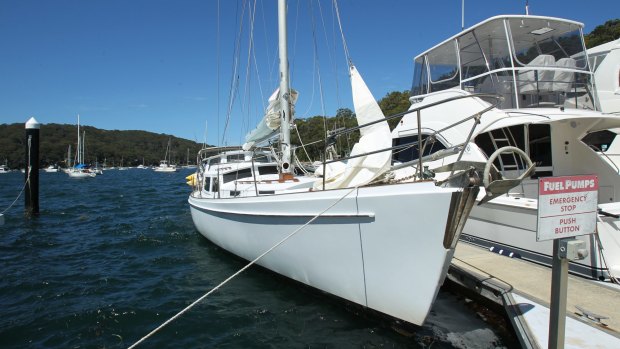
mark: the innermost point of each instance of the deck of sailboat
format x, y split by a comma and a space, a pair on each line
533, 282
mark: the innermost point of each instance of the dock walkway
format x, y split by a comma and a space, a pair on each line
493, 274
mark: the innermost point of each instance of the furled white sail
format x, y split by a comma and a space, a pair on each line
270, 123
363, 169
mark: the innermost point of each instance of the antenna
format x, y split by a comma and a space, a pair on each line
462, 14
527, 7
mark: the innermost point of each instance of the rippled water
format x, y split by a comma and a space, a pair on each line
111, 258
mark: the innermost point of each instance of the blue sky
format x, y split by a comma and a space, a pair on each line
158, 65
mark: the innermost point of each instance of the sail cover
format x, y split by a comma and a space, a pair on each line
270, 123
362, 170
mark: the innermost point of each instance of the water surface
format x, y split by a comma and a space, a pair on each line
112, 257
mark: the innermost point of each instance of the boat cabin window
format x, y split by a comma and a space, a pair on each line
596, 60
214, 161
273, 169
234, 175
535, 139
235, 157
262, 157
443, 67
553, 40
472, 59
600, 140
412, 153
420, 77
207, 186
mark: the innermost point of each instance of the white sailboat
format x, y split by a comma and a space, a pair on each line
165, 165
4, 168
549, 110
51, 169
187, 164
79, 169
355, 233
122, 167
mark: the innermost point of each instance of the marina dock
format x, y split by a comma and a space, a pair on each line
524, 288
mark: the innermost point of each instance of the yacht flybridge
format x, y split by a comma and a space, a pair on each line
355, 229
548, 109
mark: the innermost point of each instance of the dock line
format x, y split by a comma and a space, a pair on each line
18, 195
239, 272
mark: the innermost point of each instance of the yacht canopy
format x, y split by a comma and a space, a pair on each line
532, 61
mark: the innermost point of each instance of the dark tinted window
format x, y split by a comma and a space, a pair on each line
268, 170
245, 173
600, 140
411, 153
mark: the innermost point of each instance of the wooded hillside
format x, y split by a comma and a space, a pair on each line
112, 146
133, 146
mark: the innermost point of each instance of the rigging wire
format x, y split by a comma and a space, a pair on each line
344, 41
335, 67
245, 104
318, 65
339, 118
193, 304
302, 144
234, 83
217, 65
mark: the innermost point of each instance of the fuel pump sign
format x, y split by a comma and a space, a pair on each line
567, 206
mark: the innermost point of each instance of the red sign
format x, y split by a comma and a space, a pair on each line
567, 206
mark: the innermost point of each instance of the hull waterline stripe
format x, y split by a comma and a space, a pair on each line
309, 215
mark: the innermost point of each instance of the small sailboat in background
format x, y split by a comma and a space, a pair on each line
187, 164
97, 169
122, 167
165, 165
51, 169
142, 166
80, 170
4, 168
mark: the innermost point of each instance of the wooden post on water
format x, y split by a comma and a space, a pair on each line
32, 168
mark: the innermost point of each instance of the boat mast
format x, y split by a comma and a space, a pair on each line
286, 117
83, 146
79, 154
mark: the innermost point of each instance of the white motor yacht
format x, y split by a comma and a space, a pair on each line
549, 109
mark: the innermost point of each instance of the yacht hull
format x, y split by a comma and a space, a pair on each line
508, 224
78, 174
166, 169
381, 247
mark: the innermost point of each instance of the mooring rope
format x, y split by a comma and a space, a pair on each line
27, 182
20, 194
239, 272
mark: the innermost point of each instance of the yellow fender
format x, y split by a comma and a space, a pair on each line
191, 180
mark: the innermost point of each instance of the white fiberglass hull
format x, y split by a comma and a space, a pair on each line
508, 224
381, 247
79, 174
165, 169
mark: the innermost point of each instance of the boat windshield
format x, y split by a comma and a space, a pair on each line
531, 61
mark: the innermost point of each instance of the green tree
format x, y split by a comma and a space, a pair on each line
393, 103
603, 33
112, 146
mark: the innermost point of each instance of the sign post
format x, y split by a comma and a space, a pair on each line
567, 207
